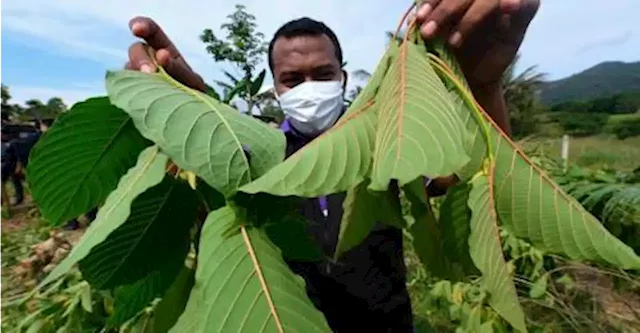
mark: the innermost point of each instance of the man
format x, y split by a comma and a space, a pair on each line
365, 291
9, 161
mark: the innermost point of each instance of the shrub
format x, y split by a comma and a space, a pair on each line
626, 128
582, 124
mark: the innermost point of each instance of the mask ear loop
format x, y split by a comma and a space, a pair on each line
345, 78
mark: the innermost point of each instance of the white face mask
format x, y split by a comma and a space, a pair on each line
312, 107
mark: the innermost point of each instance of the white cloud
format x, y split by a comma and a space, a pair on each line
560, 41
80, 28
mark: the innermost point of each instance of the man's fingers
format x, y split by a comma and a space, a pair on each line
527, 10
425, 9
151, 32
443, 15
179, 71
473, 18
139, 59
510, 6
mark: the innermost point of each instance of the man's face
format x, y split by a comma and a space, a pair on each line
304, 58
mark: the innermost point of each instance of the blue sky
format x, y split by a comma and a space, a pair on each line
63, 47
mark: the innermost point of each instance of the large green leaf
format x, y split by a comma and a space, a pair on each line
419, 131
257, 83
243, 285
485, 248
425, 230
533, 207
475, 145
80, 159
157, 228
292, 238
130, 299
336, 160
167, 312
148, 172
204, 136
361, 210
454, 221
332, 163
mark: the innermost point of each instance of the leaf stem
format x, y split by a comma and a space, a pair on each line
263, 283
404, 18
468, 98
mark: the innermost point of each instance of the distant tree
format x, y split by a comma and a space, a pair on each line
56, 106
6, 96
6, 108
243, 47
36, 109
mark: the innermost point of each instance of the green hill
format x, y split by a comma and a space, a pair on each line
602, 80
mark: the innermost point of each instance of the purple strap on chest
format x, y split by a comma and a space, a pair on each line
286, 128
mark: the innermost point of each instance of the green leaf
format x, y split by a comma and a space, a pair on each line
210, 196
257, 84
292, 238
205, 136
475, 145
243, 285
419, 132
336, 160
167, 312
361, 210
130, 299
444, 53
157, 227
539, 288
454, 221
80, 159
148, 171
425, 231
332, 163
281, 219
237, 89
486, 251
231, 77
533, 207
212, 92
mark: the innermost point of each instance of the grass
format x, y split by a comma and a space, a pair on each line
594, 151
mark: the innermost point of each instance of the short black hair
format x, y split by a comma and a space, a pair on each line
305, 27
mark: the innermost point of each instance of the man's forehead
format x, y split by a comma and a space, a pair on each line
307, 50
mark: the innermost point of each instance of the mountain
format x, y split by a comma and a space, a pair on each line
602, 80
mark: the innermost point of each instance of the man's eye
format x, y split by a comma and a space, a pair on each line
291, 82
324, 77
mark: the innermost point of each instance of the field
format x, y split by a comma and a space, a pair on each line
602, 151
577, 299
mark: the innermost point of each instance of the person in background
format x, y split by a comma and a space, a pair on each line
365, 291
8, 162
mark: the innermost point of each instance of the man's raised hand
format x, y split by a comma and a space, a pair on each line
157, 44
